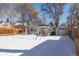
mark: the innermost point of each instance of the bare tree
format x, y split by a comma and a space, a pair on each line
73, 21
6, 9
26, 11
74, 14
55, 10
39, 20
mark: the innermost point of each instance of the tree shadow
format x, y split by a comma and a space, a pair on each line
62, 47
11, 50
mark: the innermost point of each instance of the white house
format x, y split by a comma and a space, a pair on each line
61, 30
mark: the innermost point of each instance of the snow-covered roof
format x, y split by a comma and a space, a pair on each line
2, 24
17, 24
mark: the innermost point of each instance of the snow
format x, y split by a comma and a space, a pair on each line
9, 54
32, 45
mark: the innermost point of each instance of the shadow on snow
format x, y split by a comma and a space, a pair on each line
62, 47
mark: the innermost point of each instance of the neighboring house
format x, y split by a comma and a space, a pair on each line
61, 30
43, 30
21, 27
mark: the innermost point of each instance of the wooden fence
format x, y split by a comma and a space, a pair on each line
9, 30
73, 32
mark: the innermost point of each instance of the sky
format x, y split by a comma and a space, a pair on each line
63, 19
66, 13
38, 6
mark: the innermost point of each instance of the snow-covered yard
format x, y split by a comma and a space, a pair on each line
30, 45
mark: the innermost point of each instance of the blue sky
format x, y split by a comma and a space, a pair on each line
64, 16
66, 13
38, 6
